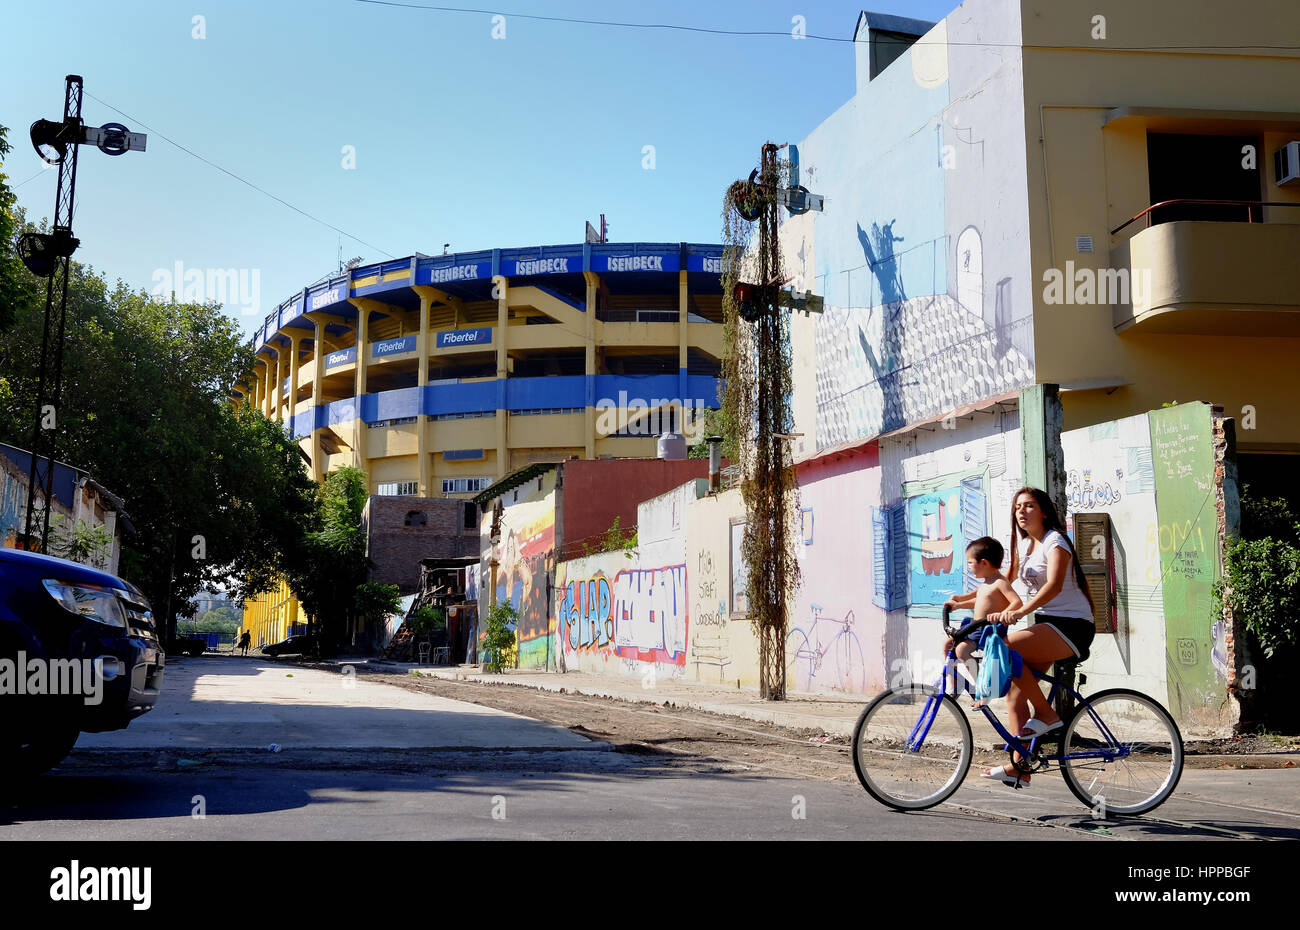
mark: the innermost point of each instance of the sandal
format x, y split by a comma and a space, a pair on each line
999, 773
1034, 728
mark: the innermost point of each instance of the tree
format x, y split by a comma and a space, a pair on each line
328, 563
145, 409
16, 286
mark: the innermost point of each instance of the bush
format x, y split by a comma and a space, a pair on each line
499, 635
428, 619
614, 540
1261, 574
1262, 584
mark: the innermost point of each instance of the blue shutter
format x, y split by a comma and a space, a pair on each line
974, 524
900, 555
879, 558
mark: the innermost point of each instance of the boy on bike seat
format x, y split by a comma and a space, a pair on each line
995, 594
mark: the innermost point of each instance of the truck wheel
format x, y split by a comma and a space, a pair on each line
27, 757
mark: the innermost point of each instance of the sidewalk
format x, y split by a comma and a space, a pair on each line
833, 716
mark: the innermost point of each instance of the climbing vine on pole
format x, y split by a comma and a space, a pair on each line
757, 409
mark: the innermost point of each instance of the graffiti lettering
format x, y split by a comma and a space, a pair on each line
1084, 495
584, 614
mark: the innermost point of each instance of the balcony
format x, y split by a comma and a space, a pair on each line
1197, 277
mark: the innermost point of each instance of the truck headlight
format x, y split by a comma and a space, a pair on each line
90, 601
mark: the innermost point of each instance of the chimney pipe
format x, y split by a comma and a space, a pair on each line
715, 463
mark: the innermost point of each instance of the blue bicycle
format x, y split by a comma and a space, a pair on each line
1119, 752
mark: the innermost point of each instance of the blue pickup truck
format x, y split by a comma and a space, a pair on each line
78, 653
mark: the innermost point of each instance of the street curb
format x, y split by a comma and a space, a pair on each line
784, 718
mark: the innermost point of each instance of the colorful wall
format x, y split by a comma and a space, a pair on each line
526, 556
922, 251
836, 634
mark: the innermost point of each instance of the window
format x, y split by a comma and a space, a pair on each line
471, 515
398, 489
542, 411
396, 422
464, 485
464, 416
416, 518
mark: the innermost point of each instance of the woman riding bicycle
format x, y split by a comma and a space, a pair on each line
1047, 575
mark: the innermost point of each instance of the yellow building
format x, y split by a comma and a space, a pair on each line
437, 376
272, 616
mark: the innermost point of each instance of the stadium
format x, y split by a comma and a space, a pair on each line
438, 375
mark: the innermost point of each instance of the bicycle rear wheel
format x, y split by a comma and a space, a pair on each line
1136, 782
912, 747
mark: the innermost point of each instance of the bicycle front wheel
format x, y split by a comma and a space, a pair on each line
1132, 773
912, 747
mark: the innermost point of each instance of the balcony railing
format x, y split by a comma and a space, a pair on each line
1247, 205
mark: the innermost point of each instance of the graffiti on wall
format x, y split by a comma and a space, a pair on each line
1183, 456
524, 554
824, 652
710, 641
639, 615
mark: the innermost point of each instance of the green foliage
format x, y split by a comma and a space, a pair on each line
83, 542
221, 620
145, 410
328, 563
1261, 582
17, 287
1261, 574
1265, 518
499, 635
427, 619
614, 540
373, 602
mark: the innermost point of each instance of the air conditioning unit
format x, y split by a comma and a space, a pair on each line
1286, 161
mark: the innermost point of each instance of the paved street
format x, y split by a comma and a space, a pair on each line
361, 759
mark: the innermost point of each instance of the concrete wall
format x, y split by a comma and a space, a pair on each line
722, 647
922, 252
835, 633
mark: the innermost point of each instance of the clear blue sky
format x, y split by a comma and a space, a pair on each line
458, 137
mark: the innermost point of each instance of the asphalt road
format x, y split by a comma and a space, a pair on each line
357, 759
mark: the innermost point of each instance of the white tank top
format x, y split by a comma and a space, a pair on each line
1032, 576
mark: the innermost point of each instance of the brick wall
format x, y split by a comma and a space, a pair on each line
396, 548
1228, 510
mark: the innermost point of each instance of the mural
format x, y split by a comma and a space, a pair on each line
1183, 457
827, 651
923, 262
526, 553
633, 614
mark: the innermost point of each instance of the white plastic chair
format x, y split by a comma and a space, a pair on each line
425, 650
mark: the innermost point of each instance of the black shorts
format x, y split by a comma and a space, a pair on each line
1076, 631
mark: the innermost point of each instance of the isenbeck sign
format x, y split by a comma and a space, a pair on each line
451, 338
393, 346
341, 357
332, 296
616, 263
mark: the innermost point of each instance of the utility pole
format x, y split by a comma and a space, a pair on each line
48, 255
770, 487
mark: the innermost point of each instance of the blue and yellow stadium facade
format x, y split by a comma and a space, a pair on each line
435, 374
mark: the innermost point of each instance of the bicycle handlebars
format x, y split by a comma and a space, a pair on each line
964, 632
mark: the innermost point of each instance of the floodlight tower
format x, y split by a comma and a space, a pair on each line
48, 255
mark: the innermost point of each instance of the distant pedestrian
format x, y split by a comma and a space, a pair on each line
245, 641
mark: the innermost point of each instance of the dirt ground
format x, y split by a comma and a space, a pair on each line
745, 745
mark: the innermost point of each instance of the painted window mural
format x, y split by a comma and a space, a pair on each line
920, 544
